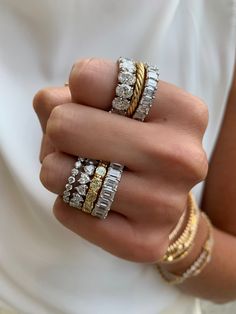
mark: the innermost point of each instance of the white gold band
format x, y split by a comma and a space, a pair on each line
108, 191
151, 82
125, 87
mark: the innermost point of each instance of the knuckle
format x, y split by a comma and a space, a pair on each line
199, 113
195, 164
144, 250
46, 173
148, 248
169, 205
56, 123
41, 99
182, 157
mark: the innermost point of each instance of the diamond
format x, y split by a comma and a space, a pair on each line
102, 203
152, 67
152, 75
127, 65
68, 187
146, 100
88, 207
101, 171
126, 78
116, 166
74, 172
111, 182
114, 173
75, 204
82, 189
66, 193
124, 90
89, 169
78, 164
144, 109
148, 91
139, 116
151, 83
71, 180
84, 178
77, 198
96, 184
108, 193
93, 198
120, 103
66, 199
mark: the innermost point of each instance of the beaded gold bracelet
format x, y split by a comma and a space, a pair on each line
182, 246
178, 227
198, 265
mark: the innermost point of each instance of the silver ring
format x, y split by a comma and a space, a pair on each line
108, 191
71, 180
150, 87
82, 172
125, 87
84, 179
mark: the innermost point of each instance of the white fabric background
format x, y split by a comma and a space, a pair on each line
44, 268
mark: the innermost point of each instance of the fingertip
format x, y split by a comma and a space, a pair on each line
75, 73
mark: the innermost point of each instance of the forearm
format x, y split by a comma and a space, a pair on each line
217, 281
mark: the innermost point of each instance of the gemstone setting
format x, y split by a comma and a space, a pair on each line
124, 90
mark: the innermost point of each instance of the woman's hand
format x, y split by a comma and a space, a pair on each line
164, 158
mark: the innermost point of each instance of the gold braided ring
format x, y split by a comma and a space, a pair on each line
138, 88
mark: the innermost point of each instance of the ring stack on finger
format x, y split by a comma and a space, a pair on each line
92, 185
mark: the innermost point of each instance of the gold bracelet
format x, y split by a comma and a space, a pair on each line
182, 246
178, 227
94, 187
138, 88
198, 265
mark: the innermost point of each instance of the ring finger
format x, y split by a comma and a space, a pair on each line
131, 200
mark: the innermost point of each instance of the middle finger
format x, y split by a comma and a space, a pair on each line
88, 132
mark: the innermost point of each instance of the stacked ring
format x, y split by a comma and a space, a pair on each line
138, 88
69, 185
135, 91
95, 187
145, 104
125, 87
108, 191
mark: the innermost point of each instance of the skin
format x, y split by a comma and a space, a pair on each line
164, 159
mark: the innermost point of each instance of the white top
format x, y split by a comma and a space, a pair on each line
45, 268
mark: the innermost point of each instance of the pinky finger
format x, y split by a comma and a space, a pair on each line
114, 234
46, 147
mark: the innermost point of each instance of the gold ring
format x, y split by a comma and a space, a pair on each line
138, 88
94, 187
